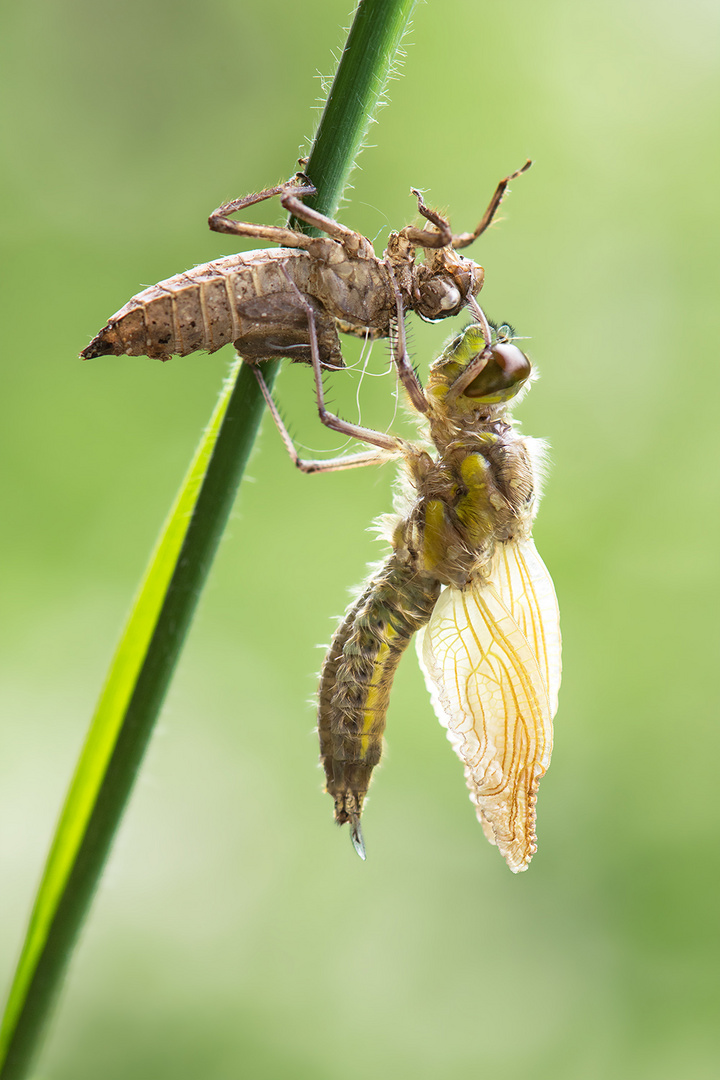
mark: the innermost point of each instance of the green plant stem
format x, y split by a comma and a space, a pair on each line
370, 52
114, 749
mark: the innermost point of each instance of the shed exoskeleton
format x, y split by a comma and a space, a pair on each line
252, 299
464, 572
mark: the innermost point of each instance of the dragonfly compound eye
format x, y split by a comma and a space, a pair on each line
503, 375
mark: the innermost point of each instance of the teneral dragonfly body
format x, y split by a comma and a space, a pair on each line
465, 573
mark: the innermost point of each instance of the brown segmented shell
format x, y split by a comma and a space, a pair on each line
244, 299
252, 299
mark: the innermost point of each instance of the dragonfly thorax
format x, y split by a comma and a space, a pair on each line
479, 492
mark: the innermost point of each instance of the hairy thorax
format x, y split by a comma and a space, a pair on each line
477, 493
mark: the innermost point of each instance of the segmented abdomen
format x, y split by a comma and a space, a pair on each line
246, 299
357, 675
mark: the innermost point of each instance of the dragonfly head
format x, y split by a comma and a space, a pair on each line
443, 285
474, 371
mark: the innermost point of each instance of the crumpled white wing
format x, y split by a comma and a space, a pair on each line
491, 658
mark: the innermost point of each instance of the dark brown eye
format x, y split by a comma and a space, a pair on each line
503, 375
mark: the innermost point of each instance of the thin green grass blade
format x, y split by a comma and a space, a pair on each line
107, 723
146, 657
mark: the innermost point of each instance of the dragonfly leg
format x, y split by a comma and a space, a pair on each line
350, 461
388, 443
401, 358
423, 237
354, 242
444, 234
480, 317
220, 220
463, 239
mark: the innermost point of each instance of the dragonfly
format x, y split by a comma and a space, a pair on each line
257, 300
464, 576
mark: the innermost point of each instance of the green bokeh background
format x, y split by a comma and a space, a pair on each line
235, 932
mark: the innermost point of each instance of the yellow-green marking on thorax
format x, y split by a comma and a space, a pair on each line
473, 509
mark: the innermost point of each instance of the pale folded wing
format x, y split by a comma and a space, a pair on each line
491, 658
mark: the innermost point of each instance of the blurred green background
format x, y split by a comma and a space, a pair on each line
235, 932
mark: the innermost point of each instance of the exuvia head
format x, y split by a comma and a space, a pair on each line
443, 285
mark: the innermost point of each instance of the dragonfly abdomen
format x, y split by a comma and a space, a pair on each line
252, 300
357, 676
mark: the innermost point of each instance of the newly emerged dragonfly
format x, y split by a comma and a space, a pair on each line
257, 299
463, 573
